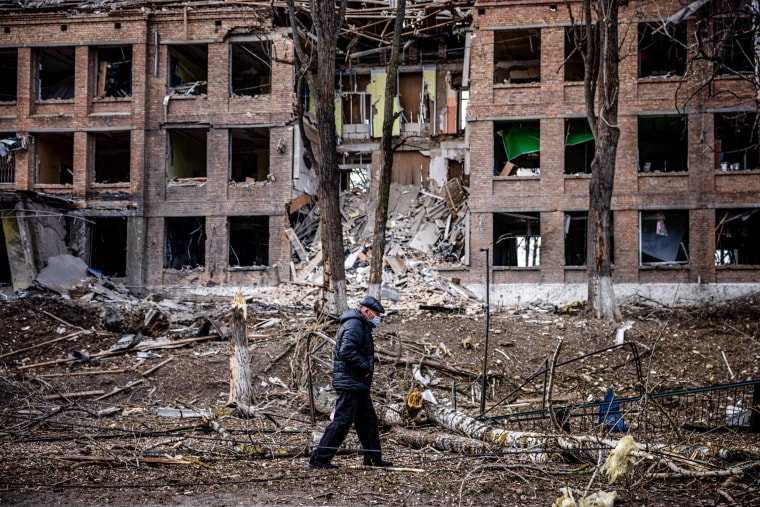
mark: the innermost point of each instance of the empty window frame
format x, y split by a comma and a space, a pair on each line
662, 50
574, 69
55, 73
452, 118
737, 236
185, 242
249, 241
663, 143
9, 144
579, 146
54, 157
9, 71
732, 41
517, 56
355, 169
516, 239
187, 153
249, 154
251, 68
664, 237
111, 156
517, 148
108, 245
355, 101
576, 224
736, 144
188, 69
113, 71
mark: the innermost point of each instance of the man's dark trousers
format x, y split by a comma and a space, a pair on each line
352, 407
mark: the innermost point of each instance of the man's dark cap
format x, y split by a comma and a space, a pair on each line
372, 304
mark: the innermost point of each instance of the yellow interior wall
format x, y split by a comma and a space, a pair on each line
376, 87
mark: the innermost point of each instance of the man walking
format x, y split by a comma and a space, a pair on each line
353, 366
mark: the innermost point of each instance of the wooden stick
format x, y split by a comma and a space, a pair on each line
72, 395
60, 320
159, 365
116, 459
78, 373
49, 342
730, 371
120, 389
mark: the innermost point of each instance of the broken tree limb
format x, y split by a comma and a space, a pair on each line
240, 363
159, 365
117, 390
280, 356
49, 342
445, 442
73, 395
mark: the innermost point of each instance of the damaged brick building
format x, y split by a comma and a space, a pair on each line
157, 142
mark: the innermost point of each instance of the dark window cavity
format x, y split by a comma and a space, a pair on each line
108, 245
112, 156
736, 141
249, 155
188, 69
187, 154
517, 56
55, 157
55, 73
516, 239
9, 73
249, 241
185, 243
579, 146
113, 76
737, 236
664, 237
662, 49
251, 69
663, 144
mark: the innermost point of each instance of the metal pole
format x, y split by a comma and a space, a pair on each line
485, 353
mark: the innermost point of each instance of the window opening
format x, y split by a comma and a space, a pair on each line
355, 171
108, 245
251, 69
249, 241
112, 156
188, 69
9, 144
249, 155
55, 157
414, 99
187, 154
517, 56
664, 237
517, 148
736, 144
579, 146
9, 71
574, 69
114, 71
55, 73
737, 236
576, 244
663, 145
356, 104
516, 239
732, 38
185, 243
662, 50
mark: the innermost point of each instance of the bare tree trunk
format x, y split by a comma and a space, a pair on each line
601, 296
445, 442
240, 363
381, 211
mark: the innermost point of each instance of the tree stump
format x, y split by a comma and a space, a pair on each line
240, 364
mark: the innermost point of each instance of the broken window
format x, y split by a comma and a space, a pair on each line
574, 69
663, 144
576, 241
249, 241
664, 237
251, 68
737, 236
355, 170
732, 38
55, 157
55, 73
517, 56
188, 69
185, 242
355, 103
9, 144
108, 245
517, 148
579, 146
414, 98
736, 141
9, 71
662, 49
516, 239
112, 156
113, 76
249, 155
187, 154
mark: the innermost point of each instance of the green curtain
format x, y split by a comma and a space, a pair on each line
521, 140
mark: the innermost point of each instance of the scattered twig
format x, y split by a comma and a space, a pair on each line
49, 342
159, 365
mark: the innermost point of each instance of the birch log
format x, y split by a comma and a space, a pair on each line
240, 363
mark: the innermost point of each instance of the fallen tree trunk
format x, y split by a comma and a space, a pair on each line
445, 442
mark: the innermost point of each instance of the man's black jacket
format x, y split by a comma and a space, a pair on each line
354, 358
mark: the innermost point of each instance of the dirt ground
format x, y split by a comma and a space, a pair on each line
86, 424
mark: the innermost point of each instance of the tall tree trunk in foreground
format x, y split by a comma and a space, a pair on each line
601, 61
381, 211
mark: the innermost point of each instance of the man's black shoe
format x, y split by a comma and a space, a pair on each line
318, 466
378, 464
